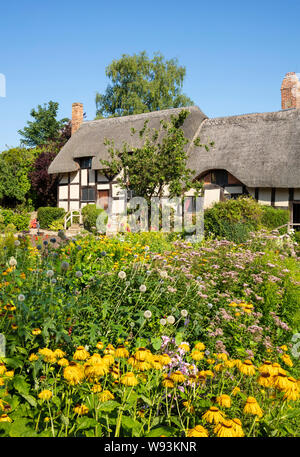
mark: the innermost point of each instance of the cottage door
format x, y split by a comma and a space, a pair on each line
102, 199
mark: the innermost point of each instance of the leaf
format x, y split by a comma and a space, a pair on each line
31, 400
147, 400
158, 431
178, 338
21, 385
108, 406
156, 342
86, 422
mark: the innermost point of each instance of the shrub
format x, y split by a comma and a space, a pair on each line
19, 219
90, 214
46, 215
57, 224
232, 217
274, 217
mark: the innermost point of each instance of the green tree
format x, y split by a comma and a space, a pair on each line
15, 166
161, 161
45, 127
140, 85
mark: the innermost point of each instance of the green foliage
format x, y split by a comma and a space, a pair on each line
20, 220
45, 127
90, 214
233, 219
141, 85
15, 166
157, 163
57, 224
274, 217
46, 215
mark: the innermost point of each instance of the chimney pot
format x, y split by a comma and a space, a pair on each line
77, 116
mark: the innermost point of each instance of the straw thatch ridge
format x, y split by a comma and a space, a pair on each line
260, 149
88, 140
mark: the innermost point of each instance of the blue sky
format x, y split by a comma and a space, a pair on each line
235, 52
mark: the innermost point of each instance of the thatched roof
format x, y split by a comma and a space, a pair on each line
88, 140
261, 150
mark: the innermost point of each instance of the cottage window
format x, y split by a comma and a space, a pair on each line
88, 194
219, 177
85, 163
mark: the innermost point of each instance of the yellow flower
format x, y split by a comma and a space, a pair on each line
142, 355
237, 426
32, 357
247, 368
45, 394
2, 368
177, 376
222, 356
95, 371
156, 363
96, 388
142, 366
108, 359
275, 369
224, 429
287, 360
105, 396
165, 359
213, 415
48, 355
199, 346
197, 431
281, 380
168, 383
210, 361
109, 350
224, 400
292, 390
219, 367
81, 354
10, 374
74, 373
197, 355
252, 407
81, 410
266, 368
63, 362
121, 352
5, 418
235, 391
129, 379
189, 407
59, 353
100, 345
36, 331
265, 380
185, 347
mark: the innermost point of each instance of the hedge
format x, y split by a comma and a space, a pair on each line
47, 214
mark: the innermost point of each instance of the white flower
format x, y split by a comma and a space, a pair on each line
163, 322
12, 262
163, 274
21, 297
184, 312
78, 274
64, 265
147, 314
170, 319
143, 288
50, 273
17, 243
209, 305
122, 274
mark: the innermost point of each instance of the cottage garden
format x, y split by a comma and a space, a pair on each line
149, 335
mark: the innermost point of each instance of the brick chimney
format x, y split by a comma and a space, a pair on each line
77, 116
290, 91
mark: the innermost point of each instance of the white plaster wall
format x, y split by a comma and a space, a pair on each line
282, 197
117, 191
211, 196
103, 186
264, 196
63, 205
84, 177
74, 191
74, 205
62, 192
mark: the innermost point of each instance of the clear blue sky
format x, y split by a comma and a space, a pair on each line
235, 52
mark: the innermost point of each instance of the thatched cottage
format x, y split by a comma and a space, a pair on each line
256, 154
